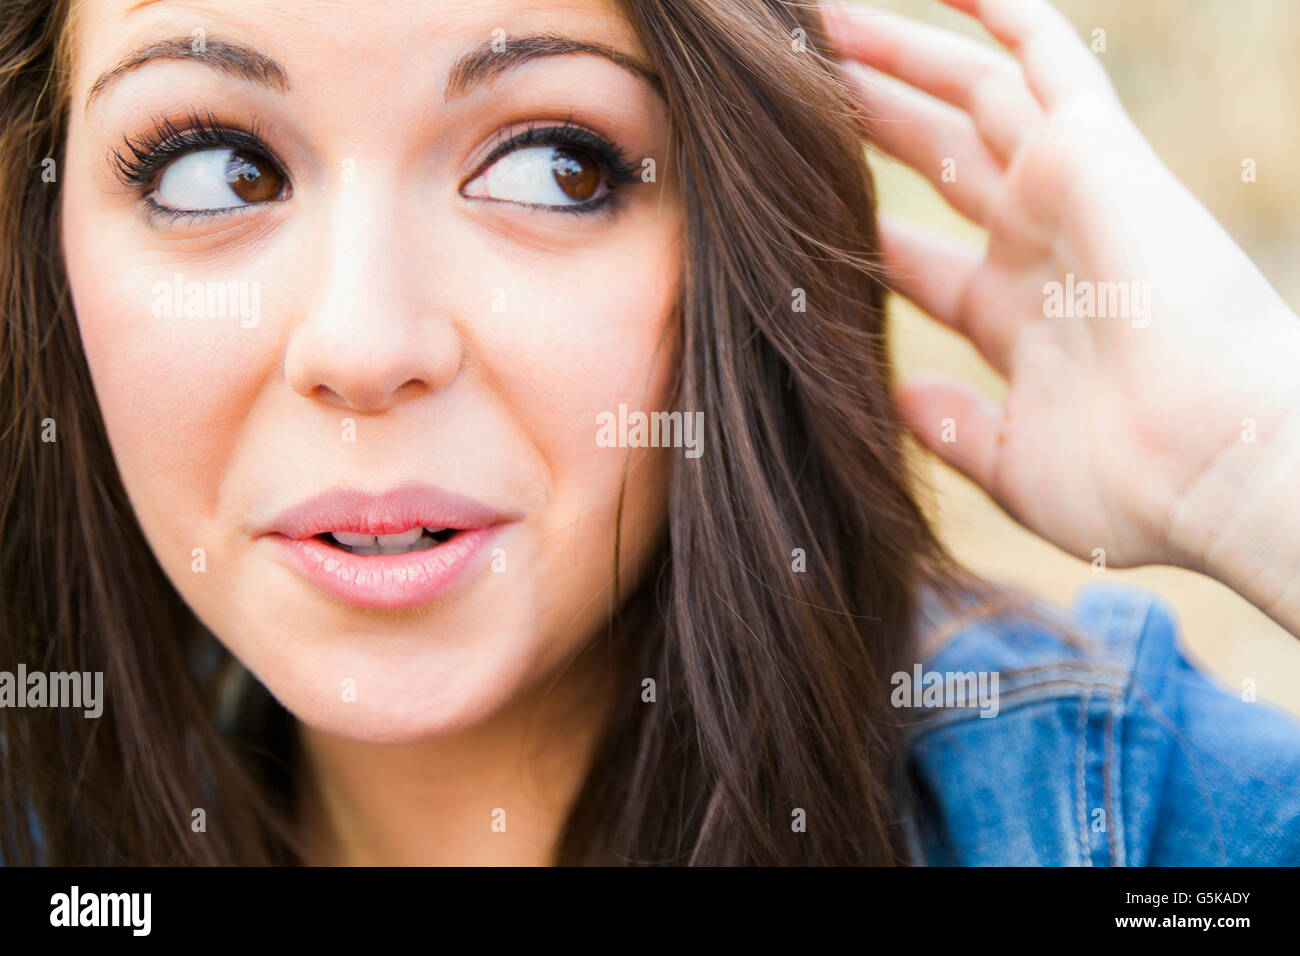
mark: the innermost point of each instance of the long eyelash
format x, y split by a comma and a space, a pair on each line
140, 160
569, 133
620, 170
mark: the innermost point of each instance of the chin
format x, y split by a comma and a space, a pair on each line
381, 689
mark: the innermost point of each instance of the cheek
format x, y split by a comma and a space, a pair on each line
172, 387
571, 343
577, 345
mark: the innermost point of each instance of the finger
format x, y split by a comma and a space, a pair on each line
984, 83
959, 424
938, 274
1057, 64
933, 138
929, 268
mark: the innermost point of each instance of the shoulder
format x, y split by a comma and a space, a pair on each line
1096, 741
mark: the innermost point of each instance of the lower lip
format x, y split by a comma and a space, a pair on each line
386, 580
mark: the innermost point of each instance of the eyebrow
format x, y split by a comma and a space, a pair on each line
471, 69
492, 58
233, 59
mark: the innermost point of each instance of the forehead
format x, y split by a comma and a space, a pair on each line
353, 35
435, 13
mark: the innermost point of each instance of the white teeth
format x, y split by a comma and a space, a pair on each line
435, 530
370, 544
397, 543
354, 540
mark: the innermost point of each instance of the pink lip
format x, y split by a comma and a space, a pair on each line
384, 580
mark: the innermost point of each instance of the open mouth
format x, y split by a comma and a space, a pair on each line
406, 542
401, 549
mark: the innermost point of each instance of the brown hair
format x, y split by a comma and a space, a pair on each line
772, 682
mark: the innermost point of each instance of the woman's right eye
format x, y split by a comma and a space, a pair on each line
549, 175
218, 179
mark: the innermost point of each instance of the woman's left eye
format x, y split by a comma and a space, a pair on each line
542, 176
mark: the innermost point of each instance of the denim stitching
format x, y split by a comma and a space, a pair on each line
1106, 796
1082, 753
1113, 758
1080, 777
1046, 691
1108, 790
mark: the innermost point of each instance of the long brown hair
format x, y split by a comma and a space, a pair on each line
784, 596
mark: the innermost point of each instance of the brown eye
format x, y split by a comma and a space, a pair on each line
253, 178
549, 176
576, 173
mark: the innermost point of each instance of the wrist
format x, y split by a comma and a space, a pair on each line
1240, 522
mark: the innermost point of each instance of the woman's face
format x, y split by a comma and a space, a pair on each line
385, 268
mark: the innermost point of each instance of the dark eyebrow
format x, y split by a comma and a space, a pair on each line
470, 69
234, 59
489, 60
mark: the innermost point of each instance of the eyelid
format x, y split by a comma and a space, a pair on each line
566, 133
151, 153
154, 211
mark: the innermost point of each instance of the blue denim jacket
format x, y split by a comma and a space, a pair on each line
1123, 755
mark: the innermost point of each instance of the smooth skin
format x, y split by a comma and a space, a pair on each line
1134, 436
470, 342
377, 294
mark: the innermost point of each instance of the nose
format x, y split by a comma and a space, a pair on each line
371, 338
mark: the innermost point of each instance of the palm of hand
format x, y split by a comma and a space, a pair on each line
1117, 308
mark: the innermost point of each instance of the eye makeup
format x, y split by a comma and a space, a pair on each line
615, 167
141, 161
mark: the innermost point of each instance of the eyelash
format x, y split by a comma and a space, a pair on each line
151, 153
619, 170
140, 160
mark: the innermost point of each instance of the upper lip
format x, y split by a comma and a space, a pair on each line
395, 511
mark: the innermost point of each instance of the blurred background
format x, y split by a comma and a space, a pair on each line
1210, 83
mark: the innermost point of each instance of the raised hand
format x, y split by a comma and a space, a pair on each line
1153, 407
